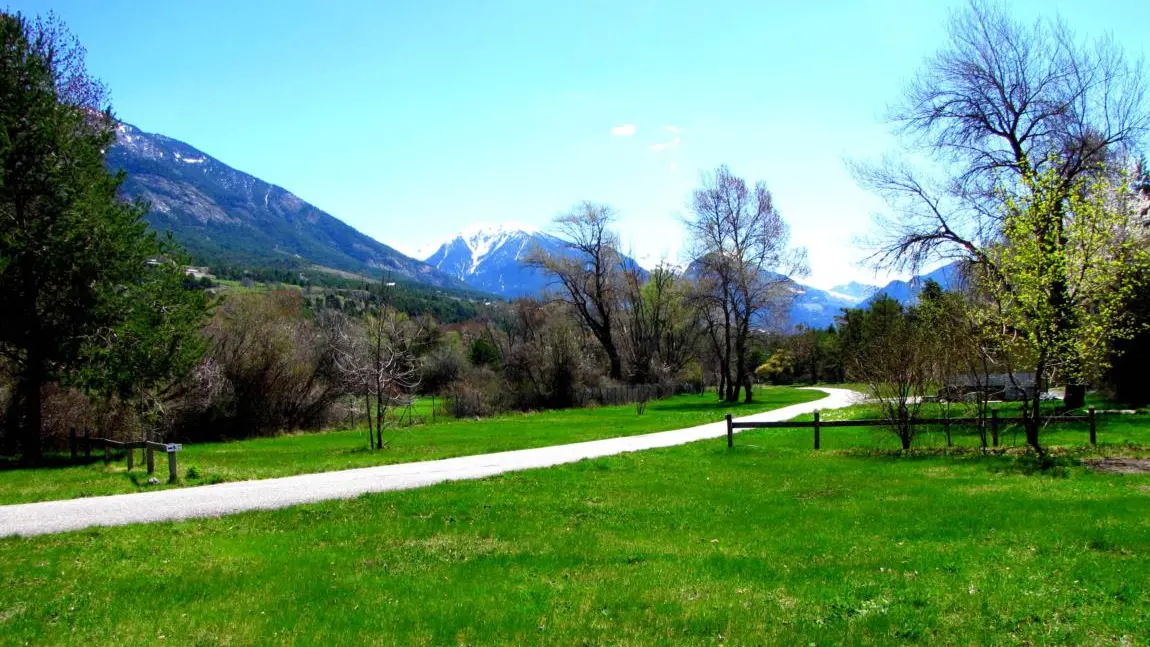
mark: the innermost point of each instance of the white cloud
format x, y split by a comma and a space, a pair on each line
675, 130
625, 130
662, 146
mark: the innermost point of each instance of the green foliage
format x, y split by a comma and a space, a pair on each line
817, 355
1066, 271
484, 352
778, 369
859, 328
156, 337
81, 302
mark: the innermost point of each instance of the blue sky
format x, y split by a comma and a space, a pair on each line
412, 120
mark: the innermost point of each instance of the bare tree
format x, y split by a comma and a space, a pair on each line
379, 361
740, 244
66, 59
897, 362
1001, 100
590, 272
661, 326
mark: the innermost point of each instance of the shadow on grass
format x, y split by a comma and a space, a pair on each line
710, 403
49, 461
1056, 461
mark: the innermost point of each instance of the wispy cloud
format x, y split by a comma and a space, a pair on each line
674, 130
625, 130
662, 146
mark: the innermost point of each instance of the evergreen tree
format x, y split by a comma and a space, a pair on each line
75, 278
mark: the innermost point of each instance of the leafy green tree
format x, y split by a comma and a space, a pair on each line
74, 274
152, 341
778, 369
484, 352
1063, 277
1013, 114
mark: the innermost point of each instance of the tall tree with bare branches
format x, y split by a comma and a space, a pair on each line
661, 327
740, 243
1007, 114
590, 272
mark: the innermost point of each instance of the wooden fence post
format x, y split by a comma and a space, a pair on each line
1093, 429
107, 454
72, 443
730, 432
131, 457
149, 455
87, 443
171, 467
994, 426
817, 429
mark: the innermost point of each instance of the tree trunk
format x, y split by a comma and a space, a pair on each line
1032, 422
370, 429
1075, 397
616, 363
379, 416
740, 372
29, 412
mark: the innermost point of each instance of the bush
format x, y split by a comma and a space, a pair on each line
692, 375
778, 369
479, 392
442, 367
269, 368
484, 352
548, 365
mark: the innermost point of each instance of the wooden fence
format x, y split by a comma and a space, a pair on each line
87, 442
994, 423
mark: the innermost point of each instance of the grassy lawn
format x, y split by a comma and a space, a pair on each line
319, 452
768, 544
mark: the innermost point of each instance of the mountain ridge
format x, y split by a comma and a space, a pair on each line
221, 214
490, 258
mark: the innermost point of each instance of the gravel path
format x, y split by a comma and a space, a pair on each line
227, 498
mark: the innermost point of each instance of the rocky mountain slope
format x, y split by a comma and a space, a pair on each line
221, 214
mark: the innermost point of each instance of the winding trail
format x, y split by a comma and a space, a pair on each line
226, 498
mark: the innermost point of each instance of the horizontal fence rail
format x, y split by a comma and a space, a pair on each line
993, 423
130, 447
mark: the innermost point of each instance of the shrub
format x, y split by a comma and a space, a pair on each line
479, 392
269, 368
441, 368
778, 369
484, 352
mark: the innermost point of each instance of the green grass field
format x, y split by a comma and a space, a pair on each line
768, 544
320, 452
1117, 433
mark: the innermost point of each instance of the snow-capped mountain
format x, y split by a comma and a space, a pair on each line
854, 291
815, 308
491, 258
906, 292
221, 214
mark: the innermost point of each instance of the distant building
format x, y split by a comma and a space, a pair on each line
997, 386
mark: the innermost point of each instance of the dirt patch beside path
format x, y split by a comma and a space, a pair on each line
1119, 465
